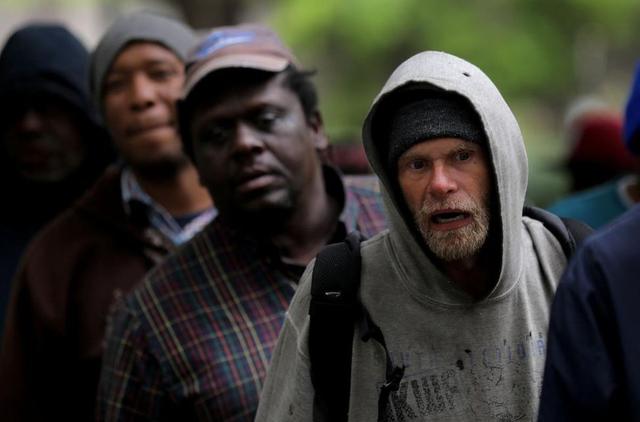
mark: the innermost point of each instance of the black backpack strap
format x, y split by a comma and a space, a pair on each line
570, 232
579, 230
334, 310
393, 374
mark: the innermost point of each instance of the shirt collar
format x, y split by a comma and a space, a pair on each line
134, 198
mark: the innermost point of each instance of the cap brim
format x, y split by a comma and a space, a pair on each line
246, 61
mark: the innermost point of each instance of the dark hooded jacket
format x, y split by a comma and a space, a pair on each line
70, 274
43, 60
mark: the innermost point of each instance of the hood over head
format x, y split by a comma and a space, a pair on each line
46, 59
442, 74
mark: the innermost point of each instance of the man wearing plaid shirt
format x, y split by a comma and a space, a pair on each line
193, 341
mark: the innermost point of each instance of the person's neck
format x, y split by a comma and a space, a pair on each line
311, 226
470, 275
181, 194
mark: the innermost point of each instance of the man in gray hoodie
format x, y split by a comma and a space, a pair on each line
460, 285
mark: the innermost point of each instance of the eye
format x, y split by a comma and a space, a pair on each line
416, 164
266, 119
214, 135
161, 73
114, 84
463, 155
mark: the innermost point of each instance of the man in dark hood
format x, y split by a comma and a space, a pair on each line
100, 247
52, 146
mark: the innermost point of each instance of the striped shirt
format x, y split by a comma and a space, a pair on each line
194, 340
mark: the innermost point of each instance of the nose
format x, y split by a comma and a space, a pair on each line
141, 92
247, 141
442, 182
30, 121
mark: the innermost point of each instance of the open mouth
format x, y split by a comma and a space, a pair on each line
448, 217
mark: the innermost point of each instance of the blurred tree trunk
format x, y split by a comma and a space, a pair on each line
204, 14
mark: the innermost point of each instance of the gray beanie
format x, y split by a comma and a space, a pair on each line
438, 116
140, 26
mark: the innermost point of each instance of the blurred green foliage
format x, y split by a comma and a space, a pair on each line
525, 46
51, 4
543, 52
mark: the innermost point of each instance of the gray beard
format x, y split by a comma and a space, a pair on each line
458, 244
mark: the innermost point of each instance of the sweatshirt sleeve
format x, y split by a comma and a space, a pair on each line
580, 380
130, 385
288, 393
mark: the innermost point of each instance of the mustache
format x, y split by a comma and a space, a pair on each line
466, 205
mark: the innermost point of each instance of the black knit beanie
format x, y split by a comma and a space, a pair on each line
440, 115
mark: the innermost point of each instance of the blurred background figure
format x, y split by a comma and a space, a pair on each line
349, 158
602, 152
600, 204
51, 145
597, 153
139, 210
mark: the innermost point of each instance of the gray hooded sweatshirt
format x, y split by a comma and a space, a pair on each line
465, 359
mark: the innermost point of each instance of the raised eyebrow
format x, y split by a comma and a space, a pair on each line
465, 148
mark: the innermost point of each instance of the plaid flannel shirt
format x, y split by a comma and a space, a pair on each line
193, 342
